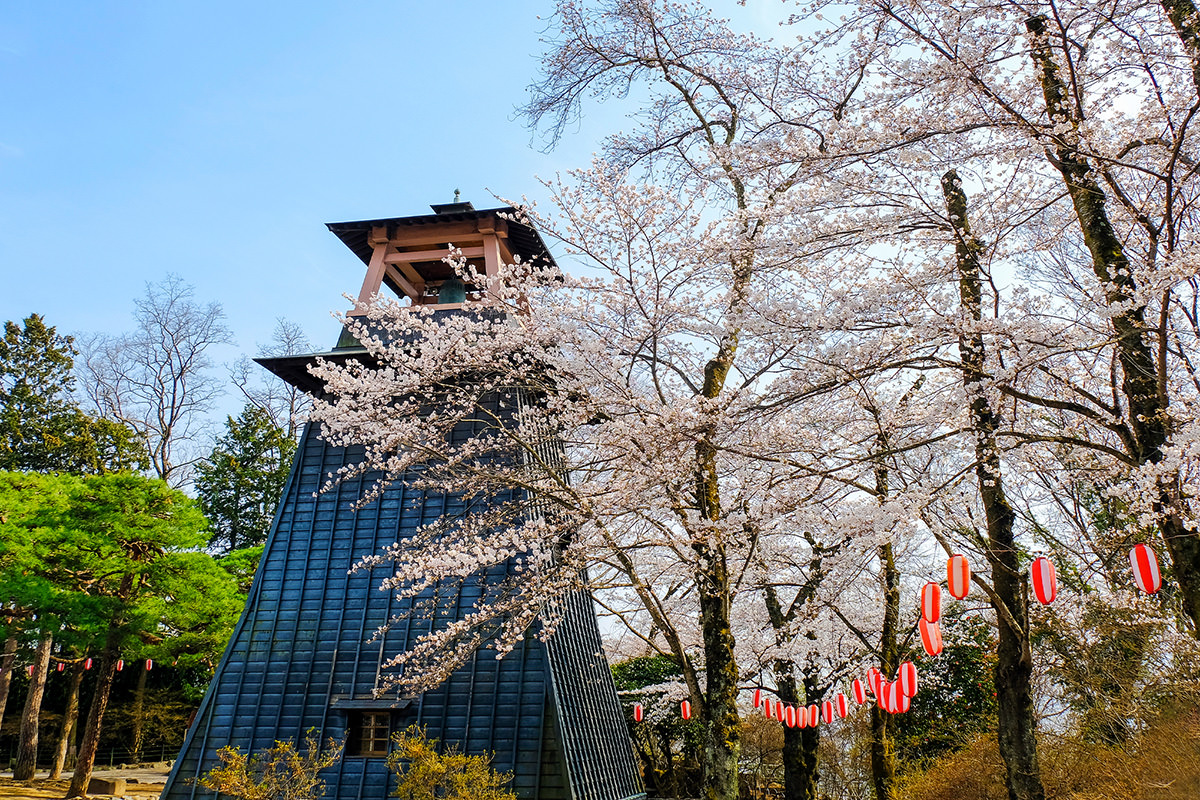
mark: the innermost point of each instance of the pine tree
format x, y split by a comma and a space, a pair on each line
42, 429
239, 484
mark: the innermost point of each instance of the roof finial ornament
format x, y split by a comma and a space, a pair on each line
456, 193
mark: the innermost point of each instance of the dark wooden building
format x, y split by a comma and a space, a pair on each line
300, 657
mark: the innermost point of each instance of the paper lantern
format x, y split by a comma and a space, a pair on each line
637, 712
898, 701
931, 602
1045, 583
860, 691
120, 664
931, 637
882, 695
814, 716
1145, 568
827, 711
685, 709
30, 670
766, 707
791, 716
801, 717
843, 705
958, 576
908, 678
61, 666
757, 698
87, 664
149, 664
874, 680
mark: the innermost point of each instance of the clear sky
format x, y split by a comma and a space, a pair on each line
214, 139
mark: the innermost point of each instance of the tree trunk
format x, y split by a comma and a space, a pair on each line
70, 717
1186, 21
1014, 662
91, 730
28, 745
883, 748
1148, 421
139, 716
799, 744
722, 736
7, 660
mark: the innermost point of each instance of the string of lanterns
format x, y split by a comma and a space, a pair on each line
87, 665
895, 697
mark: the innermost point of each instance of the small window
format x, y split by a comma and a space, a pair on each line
369, 733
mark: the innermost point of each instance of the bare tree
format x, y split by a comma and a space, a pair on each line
285, 404
157, 379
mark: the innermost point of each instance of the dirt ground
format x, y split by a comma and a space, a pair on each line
150, 783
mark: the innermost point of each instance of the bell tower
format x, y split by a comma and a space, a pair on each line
302, 655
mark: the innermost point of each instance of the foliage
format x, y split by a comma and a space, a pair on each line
639, 671
281, 773
42, 429
242, 564
957, 699
425, 774
1162, 764
240, 483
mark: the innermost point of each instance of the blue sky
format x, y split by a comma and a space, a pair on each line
213, 140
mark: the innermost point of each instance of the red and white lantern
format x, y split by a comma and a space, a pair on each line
637, 712
757, 698
1145, 568
1045, 582
860, 691
29, 669
120, 664
898, 701
801, 717
827, 711
875, 680
791, 716
685, 709
814, 716
882, 695
931, 637
766, 707
842, 704
958, 576
61, 666
87, 664
149, 664
931, 602
908, 678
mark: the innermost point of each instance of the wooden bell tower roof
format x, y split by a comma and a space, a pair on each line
405, 254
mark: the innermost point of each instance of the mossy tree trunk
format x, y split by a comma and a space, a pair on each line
1142, 382
1014, 657
883, 746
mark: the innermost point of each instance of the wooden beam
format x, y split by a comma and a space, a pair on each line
378, 235
491, 258
374, 276
405, 286
431, 255
413, 276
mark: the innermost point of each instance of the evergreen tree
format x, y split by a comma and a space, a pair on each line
239, 484
42, 429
